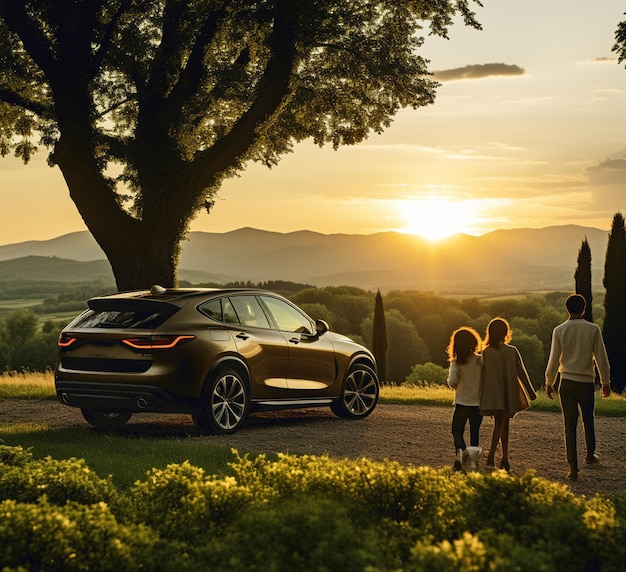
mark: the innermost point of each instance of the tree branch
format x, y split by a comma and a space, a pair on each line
273, 88
35, 42
13, 98
107, 38
192, 74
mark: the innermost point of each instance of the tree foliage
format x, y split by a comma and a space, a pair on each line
620, 41
614, 327
147, 106
24, 345
406, 346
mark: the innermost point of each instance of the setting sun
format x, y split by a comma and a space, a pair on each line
434, 218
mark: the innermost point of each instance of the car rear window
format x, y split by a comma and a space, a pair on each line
124, 314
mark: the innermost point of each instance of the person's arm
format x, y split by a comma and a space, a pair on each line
453, 375
602, 361
523, 376
553, 364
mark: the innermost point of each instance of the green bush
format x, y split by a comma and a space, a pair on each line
45, 536
180, 501
305, 513
305, 533
425, 374
25, 479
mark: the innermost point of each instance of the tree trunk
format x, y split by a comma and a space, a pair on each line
141, 252
141, 263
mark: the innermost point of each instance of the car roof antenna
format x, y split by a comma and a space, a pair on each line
156, 290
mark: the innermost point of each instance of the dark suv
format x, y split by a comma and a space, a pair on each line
217, 354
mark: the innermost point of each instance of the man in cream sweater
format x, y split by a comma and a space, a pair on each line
577, 346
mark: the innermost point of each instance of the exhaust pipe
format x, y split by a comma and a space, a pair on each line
141, 402
65, 398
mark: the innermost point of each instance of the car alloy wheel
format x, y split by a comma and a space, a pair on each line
225, 405
360, 393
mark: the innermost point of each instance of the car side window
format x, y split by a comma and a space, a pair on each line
249, 311
213, 309
287, 317
229, 314
220, 310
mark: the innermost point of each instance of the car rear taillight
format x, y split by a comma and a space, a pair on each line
157, 342
65, 341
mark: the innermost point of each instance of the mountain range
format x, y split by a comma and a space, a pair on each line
515, 260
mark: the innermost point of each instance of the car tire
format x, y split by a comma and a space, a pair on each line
106, 419
359, 394
225, 404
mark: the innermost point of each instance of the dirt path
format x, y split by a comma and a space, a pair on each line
410, 434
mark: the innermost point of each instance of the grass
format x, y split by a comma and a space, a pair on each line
30, 385
439, 395
125, 459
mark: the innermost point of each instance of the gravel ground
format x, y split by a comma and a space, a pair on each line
410, 434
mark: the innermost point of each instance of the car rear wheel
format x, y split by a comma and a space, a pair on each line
359, 394
225, 405
106, 419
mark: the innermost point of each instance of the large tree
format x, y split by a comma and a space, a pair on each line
582, 278
614, 327
147, 106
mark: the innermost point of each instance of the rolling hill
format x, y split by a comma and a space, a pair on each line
503, 260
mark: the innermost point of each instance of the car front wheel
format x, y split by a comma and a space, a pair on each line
359, 394
106, 419
225, 405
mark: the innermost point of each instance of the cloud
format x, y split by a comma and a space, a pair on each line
478, 71
610, 171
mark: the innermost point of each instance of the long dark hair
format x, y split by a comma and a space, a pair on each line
463, 343
498, 332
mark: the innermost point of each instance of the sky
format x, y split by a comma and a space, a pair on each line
528, 130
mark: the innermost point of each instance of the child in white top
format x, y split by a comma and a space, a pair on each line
464, 377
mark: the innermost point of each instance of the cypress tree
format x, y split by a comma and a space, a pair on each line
614, 329
379, 338
582, 276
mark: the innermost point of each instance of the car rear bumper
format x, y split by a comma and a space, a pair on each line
121, 397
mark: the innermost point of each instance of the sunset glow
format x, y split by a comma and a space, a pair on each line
526, 131
434, 218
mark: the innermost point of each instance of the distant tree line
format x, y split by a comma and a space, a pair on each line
48, 289
26, 344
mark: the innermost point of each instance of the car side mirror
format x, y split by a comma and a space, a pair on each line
321, 327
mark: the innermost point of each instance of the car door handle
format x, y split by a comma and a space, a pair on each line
294, 340
242, 336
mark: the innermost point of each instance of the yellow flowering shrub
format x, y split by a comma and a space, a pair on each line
300, 513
